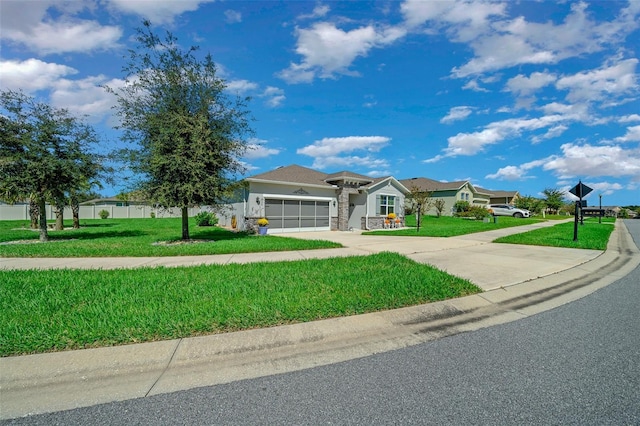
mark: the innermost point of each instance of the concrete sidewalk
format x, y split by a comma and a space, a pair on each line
520, 281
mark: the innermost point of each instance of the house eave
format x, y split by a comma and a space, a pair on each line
279, 182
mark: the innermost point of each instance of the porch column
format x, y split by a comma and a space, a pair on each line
343, 207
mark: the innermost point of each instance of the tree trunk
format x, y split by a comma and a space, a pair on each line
44, 235
75, 209
185, 223
58, 209
33, 213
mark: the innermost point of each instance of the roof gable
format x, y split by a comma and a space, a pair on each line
390, 179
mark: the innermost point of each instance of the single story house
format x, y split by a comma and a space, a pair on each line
450, 192
501, 197
296, 198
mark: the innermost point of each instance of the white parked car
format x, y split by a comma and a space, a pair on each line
507, 210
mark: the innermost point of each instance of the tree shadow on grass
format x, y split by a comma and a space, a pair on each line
217, 234
96, 235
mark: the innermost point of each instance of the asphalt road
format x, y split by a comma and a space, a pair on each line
576, 364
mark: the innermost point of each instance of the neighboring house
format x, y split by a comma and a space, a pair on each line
450, 192
501, 197
296, 198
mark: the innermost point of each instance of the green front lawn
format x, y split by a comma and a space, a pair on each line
55, 310
592, 235
447, 226
138, 238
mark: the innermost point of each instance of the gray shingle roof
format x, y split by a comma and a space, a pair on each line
293, 174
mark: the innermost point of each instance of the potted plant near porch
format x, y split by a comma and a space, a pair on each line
263, 225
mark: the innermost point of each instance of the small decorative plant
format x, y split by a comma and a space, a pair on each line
263, 221
206, 219
391, 215
103, 214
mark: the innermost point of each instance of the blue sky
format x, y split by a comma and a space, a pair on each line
511, 95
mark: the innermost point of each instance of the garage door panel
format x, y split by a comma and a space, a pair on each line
297, 214
322, 209
273, 208
275, 222
291, 223
291, 208
322, 222
308, 208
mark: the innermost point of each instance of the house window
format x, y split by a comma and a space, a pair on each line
387, 204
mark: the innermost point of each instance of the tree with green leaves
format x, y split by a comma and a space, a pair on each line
188, 135
554, 199
44, 153
528, 202
421, 202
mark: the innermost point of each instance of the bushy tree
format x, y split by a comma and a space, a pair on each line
189, 135
553, 199
528, 202
44, 153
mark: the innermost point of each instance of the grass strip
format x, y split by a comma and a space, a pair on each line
58, 310
592, 235
447, 226
140, 238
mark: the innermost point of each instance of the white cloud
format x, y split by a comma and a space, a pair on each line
516, 172
629, 118
241, 86
456, 113
274, 96
633, 135
614, 80
463, 20
233, 17
521, 85
158, 12
81, 97
553, 132
32, 74
328, 152
473, 85
65, 35
328, 50
256, 149
86, 96
589, 160
333, 146
318, 12
349, 162
508, 43
473, 143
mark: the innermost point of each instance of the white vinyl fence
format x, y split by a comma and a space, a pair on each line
21, 212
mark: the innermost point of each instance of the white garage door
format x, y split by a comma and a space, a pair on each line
297, 215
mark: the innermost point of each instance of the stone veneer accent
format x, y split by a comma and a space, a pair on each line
377, 222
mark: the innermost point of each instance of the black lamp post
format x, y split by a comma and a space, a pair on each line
600, 213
